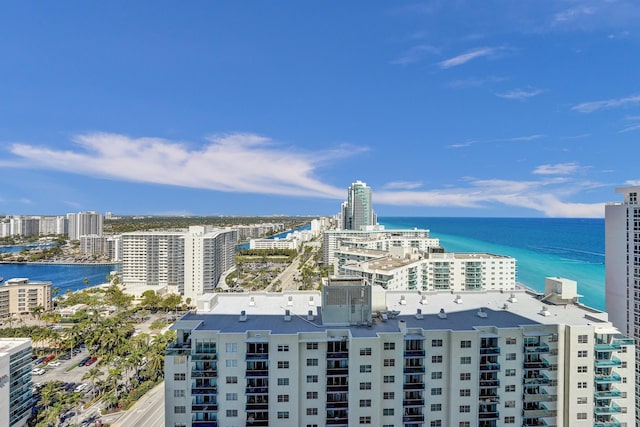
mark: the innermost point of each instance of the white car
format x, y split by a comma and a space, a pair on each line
38, 371
80, 387
56, 363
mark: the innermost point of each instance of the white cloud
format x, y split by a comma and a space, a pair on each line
238, 162
557, 169
590, 107
573, 13
464, 144
466, 57
526, 138
635, 124
520, 94
415, 54
632, 183
402, 185
25, 201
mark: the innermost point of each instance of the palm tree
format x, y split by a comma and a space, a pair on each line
37, 311
93, 375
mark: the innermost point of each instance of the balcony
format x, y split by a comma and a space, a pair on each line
208, 407
257, 356
489, 383
338, 355
604, 410
612, 378
489, 367
341, 371
257, 373
211, 356
204, 423
338, 404
414, 353
536, 348
414, 369
210, 390
607, 394
490, 350
176, 349
607, 423
490, 415
417, 418
337, 388
536, 364
608, 347
413, 402
413, 386
537, 413
209, 373
608, 363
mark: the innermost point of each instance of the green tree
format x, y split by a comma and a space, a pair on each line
93, 375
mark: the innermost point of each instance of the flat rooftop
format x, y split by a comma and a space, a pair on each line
7, 344
265, 312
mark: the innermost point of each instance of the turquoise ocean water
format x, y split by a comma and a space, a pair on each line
570, 248
63, 276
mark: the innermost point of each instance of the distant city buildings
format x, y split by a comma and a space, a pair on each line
293, 241
15, 381
84, 223
358, 355
20, 296
357, 211
73, 224
622, 268
258, 230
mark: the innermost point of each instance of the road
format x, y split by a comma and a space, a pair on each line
147, 412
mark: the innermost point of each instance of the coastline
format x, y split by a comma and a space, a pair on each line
60, 262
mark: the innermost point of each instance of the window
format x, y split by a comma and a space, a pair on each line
510, 356
510, 372
283, 381
312, 346
283, 364
312, 395
582, 369
436, 375
365, 420
232, 380
365, 386
365, 403
231, 363
466, 360
436, 407
312, 411
283, 415
582, 415
436, 423
365, 368
583, 339
582, 384
179, 377
510, 404
509, 388
312, 378
465, 376
389, 379
436, 343
511, 340
510, 420
436, 391
282, 398
388, 395
582, 400
232, 412
232, 347
465, 392
178, 393
283, 347
389, 346
179, 409
365, 351
389, 362
583, 353
312, 362
436, 359
465, 344
465, 408
388, 412
232, 396
464, 424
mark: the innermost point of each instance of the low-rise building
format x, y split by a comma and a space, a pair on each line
21, 296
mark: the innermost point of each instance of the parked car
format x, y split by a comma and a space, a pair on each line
84, 361
38, 371
56, 363
91, 361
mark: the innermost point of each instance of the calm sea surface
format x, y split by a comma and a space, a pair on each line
62, 276
570, 248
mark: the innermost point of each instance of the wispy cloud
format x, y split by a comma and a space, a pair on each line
590, 107
634, 124
573, 13
525, 138
579, 136
632, 182
557, 169
238, 162
470, 142
402, 185
415, 54
466, 57
520, 94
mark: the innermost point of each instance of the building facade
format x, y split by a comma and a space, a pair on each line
357, 211
352, 357
15, 381
622, 266
20, 296
84, 223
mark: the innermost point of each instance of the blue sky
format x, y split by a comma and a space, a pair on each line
445, 108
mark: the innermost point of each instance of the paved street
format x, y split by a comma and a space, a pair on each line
147, 412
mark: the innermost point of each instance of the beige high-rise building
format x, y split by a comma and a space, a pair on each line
21, 296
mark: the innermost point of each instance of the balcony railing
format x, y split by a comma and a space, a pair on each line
209, 373
208, 407
604, 394
602, 410
413, 402
613, 378
490, 350
490, 367
414, 369
413, 386
536, 348
414, 353
608, 362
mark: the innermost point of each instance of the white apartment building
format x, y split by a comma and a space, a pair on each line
431, 271
84, 223
15, 381
377, 239
208, 253
622, 268
351, 357
24, 226
21, 296
258, 230
53, 225
292, 240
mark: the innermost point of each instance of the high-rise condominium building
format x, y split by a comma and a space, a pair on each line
622, 266
15, 381
84, 223
21, 296
357, 212
354, 356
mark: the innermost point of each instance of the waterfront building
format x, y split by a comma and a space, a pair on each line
24, 226
406, 268
20, 296
84, 223
53, 225
113, 247
622, 267
5, 228
258, 230
357, 355
15, 381
92, 244
357, 211
292, 241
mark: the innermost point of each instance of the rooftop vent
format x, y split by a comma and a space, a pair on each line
243, 316
403, 301
512, 298
287, 315
290, 300
419, 315
311, 301
505, 306
545, 311
481, 313
423, 300
458, 299
252, 302
310, 315
442, 314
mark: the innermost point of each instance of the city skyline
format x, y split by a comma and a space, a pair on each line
514, 109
